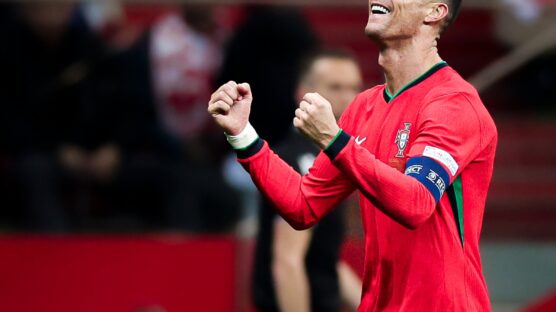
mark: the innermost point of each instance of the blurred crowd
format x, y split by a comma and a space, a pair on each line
103, 128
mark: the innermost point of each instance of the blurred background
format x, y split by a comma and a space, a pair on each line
118, 193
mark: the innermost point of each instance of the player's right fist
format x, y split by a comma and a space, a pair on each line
230, 106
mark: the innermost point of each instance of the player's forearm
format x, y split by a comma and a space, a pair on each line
280, 183
292, 286
402, 197
289, 249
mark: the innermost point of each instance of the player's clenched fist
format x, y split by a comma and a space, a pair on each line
230, 106
315, 119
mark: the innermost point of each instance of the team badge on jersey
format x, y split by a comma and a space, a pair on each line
402, 139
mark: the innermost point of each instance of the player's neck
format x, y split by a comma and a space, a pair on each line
406, 61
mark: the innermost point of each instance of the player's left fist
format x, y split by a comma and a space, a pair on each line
315, 119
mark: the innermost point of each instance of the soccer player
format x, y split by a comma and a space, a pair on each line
419, 149
300, 270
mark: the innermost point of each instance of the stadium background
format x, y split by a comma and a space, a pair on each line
507, 48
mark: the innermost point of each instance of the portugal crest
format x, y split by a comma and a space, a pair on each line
402, 139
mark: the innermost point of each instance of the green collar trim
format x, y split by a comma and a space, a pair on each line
388, 97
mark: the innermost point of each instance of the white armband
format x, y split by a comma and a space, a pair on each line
244, 139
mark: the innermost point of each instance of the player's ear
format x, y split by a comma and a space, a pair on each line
438, 11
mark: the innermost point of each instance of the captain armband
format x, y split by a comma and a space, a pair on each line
430, 173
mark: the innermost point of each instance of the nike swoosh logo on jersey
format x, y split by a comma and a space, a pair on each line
360, 141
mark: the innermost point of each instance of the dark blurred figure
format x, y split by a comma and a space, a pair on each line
47, 53
272, 41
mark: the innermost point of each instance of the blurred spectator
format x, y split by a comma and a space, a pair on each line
131, 161
183, 59
265, 51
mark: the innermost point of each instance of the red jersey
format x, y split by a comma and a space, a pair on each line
422, 160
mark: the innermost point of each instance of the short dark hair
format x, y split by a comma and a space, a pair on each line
309, 60
454, 8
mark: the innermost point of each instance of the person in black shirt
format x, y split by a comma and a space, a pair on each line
301, 271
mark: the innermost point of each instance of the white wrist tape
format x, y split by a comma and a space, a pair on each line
244, 139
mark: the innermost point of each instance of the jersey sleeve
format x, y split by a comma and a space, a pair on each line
449, 133
447, 140
300, 200
399, 196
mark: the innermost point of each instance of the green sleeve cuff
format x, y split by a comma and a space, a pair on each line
337, 145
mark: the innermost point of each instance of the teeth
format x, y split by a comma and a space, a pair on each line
379, 9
